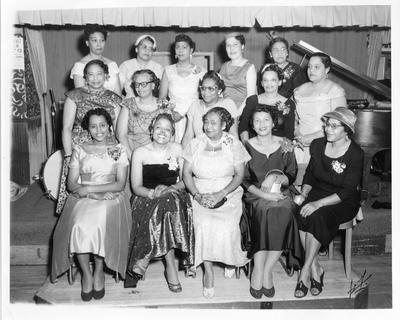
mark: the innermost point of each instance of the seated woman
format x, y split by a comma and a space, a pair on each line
161, 208
271, 79
273, 221
96, 218
211, 86
217, 161
330, 193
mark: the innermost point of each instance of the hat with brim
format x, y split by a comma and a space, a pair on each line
344, 115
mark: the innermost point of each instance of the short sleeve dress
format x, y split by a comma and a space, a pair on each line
101, 227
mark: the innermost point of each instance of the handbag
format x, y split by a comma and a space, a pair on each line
219, 204
276, 187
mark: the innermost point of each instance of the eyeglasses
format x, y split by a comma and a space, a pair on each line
210, 89
334, 126
145, 47
141, 84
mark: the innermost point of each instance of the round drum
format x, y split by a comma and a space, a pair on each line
52, 174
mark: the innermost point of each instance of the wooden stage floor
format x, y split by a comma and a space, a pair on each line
229, 293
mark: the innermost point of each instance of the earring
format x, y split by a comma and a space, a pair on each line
190, 56
347, 138
326, 75
176, 56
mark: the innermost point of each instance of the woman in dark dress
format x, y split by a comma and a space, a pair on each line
293, 75
161, 208
273, 213
329, 195
271, 79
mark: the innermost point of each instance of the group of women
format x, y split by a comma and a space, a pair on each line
194, 151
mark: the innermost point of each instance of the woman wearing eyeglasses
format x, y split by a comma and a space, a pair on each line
180, 82
138, 112
313, 99
145, 45
211, 86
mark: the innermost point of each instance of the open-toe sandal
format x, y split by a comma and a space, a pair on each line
317, 286
300, 287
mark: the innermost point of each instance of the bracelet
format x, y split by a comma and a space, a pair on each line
225, 193
67, 156
322, 202
194, 196
304, 193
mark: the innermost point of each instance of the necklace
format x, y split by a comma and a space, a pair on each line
189, 66
95, 92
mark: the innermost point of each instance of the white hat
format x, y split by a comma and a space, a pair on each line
145, 36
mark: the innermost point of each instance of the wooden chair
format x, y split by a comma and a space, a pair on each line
348, 226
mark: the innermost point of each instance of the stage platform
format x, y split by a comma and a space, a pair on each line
338, 292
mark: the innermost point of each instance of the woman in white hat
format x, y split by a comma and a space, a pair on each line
145, 45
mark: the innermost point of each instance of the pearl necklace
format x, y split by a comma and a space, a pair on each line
189, 66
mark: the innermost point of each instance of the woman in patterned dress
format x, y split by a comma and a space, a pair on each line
79, 101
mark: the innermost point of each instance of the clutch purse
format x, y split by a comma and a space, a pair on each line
276, 187
219, 204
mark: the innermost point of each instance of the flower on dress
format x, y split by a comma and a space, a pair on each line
114, 152
196, 70
227, 140
172, 163
287, 73
165, 105
337, 166
287, 145
282, 107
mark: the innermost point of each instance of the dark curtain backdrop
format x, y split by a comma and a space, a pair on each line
64, 45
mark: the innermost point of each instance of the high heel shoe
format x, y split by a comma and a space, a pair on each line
300, 287
98, 295
229, 273
175, 288
87, 296
138, 272
208, 292
256, 293
317, 285
269, 293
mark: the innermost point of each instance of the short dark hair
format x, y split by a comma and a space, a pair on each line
153, 78
273, 67
275, 40
92, 28
99, 63
166, 116
96, 112
267, 109
187, 39
216, 77
326, 59
224, 115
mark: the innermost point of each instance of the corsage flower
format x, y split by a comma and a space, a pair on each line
287, 145
165, 105
337, 166
172, 163
282, 107
114, 152
227, 140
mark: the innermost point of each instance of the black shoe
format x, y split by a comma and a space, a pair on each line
269, 293
256, 293
87, 296
97, 295
317, 285
302, 288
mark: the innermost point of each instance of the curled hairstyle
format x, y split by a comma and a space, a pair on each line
272, 67
153, 78
187, 39
264, 108
275, 40
239, 38
92, 28
100, 63
216, 77
224, 115
96, 112
166, 116
326, 59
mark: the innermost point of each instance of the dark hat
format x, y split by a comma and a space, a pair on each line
344, 115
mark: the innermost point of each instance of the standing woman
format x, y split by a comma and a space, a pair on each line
139, 111
330, 193
213, 171
274, 215
271, 79
211, 87
145, 45
95, 39
180, 82
239, 74
313, 99
293, 75
161, 208
96, 219
79, 101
